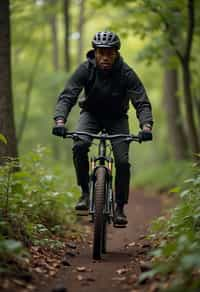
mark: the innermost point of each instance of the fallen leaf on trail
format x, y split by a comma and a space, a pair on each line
18, 282
146, 245
154, 287
80, 278
81, 269
130, 244
65, 262
52, 273
71, 245
39, 270
71, 254
132, 279
122, 271
142, 236
145, 266
30, 287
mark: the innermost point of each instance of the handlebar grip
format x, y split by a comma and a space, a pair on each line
145, 136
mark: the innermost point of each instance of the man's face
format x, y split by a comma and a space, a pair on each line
105, 57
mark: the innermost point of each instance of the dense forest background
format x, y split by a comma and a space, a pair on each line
160, 42
41, 44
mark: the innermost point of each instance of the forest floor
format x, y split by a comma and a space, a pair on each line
119, 269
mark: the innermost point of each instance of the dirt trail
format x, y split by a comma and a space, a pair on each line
102, 275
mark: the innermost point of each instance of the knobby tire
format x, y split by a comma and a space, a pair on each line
100, 187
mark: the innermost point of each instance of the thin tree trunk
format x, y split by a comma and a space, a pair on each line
66, 5
28, 91
81, 30
187, 78
192, 133
176, 133
55, 55
55, 61
7, 124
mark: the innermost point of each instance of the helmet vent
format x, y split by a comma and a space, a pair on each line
106, 39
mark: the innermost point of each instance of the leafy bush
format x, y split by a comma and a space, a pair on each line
36, 203
177, 256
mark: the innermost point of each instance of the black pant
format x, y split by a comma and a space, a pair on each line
93, 124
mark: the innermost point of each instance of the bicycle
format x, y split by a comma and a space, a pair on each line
101, 199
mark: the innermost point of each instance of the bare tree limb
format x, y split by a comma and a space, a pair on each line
190, 29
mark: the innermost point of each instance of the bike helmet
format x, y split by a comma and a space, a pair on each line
106, 39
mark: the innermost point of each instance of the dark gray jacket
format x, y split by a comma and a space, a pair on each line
105, 95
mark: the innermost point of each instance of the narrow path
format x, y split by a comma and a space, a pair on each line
84, 274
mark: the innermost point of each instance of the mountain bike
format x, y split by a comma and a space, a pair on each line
101, 199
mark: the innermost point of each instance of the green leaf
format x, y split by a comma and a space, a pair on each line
147, 275
184, 193
3, 139
175, 190
11, 245
190, 261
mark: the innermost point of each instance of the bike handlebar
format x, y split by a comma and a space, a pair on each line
104, 136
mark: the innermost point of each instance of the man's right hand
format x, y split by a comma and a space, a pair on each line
59, 129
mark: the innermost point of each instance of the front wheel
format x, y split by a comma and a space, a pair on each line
99, 218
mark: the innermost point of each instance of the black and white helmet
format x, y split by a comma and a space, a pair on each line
106, 39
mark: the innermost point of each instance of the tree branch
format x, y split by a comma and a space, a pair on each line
170, 38
190, 29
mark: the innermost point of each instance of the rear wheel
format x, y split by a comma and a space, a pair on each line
99, 217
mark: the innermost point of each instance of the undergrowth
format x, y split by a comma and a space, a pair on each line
36, 206
177, 255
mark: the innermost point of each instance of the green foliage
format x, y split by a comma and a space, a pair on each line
3, 139
178, 253
36, 203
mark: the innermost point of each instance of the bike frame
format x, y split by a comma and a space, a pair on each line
102, 159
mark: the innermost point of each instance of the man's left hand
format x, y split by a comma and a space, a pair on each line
146, 134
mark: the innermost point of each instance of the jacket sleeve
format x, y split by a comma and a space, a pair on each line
136, 92
68, 97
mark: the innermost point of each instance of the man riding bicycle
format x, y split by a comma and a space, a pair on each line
109, 84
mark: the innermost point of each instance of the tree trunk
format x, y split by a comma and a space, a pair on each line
66, 4
7, 124
55, 61
54, 35
176, 132
192, 133
28, 91
80, 30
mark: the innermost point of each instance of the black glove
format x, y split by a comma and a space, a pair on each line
145, 135
59, 130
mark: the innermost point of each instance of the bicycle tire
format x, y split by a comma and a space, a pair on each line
100, 186
104, 236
